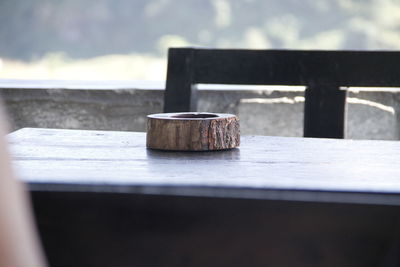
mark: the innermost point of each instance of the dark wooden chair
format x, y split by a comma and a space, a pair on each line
324, 73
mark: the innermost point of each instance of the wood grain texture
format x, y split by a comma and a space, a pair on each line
192, 131
279, 168
103, 199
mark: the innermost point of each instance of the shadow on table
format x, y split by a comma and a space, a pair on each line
229, 154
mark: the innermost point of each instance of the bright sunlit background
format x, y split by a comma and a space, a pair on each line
128, 40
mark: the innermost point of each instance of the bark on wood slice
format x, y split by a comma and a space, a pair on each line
192, 131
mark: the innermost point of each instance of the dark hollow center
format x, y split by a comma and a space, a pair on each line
195, 116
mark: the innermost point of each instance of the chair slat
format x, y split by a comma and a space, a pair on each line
297, 67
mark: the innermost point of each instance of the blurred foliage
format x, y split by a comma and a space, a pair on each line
53, 34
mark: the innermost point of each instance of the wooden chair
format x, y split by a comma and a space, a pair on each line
324, 73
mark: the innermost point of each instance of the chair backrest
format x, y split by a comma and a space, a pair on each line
324, 73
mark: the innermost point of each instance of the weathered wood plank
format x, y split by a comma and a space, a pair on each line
263, 167
101, 199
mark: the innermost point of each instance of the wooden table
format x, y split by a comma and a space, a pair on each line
102, 199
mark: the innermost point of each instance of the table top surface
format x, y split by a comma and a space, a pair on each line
278, 168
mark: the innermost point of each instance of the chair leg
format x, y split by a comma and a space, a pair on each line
325, 112
180, 93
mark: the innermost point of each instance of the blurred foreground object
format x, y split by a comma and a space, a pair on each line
19, 246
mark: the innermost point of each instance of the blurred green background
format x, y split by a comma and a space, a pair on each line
128, 39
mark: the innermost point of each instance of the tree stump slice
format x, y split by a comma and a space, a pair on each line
192, 131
